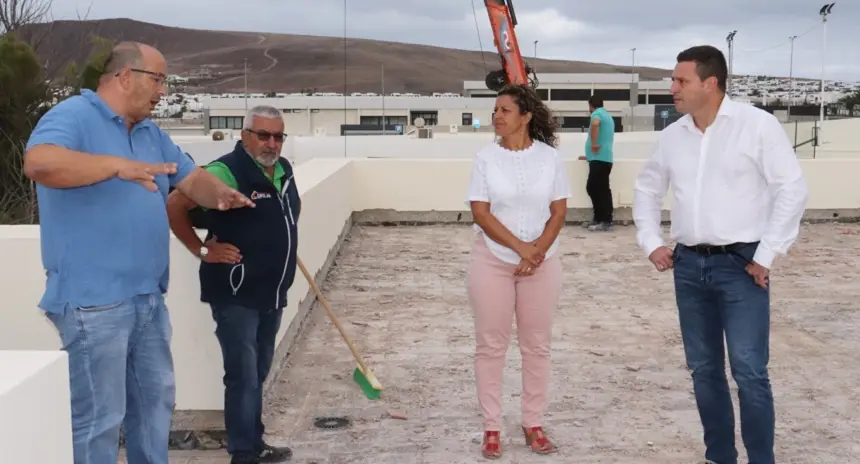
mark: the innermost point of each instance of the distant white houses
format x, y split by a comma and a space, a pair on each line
329, 114
635, 104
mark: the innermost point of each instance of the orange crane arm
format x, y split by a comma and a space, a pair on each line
514, 70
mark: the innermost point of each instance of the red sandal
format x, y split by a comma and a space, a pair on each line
537, 440
492, 447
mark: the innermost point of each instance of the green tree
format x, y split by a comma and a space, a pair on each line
25, 95
850, 101
75, 80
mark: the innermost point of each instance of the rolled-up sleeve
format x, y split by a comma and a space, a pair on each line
561, 185
477, 190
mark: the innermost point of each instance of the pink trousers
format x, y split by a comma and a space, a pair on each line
496, 294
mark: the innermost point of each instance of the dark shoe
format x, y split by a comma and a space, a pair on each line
274, 454
244, 460
601, 227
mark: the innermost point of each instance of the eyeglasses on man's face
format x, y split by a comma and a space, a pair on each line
264, 136
158, 77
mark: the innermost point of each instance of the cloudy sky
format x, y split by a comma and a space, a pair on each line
570, 29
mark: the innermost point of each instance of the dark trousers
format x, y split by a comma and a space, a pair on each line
247, 338
598, 189
716, 297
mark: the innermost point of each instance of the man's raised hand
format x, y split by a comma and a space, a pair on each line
143, 173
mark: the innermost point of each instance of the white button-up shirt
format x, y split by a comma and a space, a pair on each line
739, 181
519, 185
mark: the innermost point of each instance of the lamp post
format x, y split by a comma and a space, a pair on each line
633, 88
790, 79
824, 12
730, 40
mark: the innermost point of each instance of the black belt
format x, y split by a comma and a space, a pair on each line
708, 250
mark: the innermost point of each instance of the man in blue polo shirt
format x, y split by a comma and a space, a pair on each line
103, 171
599, 154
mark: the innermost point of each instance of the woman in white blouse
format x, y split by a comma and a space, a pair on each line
518, 195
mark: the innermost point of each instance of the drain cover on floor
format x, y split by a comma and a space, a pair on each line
331, 422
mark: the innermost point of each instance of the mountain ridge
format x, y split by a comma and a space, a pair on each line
294, 62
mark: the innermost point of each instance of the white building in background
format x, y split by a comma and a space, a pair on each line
566, 94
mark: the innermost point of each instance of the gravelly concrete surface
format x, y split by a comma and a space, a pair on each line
620, 391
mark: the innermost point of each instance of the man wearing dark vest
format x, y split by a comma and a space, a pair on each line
248, 263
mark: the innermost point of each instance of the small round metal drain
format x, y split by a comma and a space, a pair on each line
331, 422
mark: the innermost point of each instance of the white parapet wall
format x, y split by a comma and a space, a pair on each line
35, 409
331, 189
839, 141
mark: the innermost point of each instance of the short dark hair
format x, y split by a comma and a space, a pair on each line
595, 101
710, 62
124, 54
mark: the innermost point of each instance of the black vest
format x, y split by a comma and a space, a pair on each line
266, 236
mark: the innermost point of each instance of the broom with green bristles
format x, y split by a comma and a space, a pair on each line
363, 376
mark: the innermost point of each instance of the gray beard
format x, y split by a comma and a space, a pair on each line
267, 162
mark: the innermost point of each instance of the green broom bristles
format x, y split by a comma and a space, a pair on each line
367, 385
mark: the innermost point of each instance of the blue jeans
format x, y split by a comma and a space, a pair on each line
716, 296
121, 374
247, 338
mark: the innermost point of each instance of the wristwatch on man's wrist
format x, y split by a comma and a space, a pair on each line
203, 252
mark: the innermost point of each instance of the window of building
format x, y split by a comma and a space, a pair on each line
467, 119
226, 122
543, 94
660, 99
570, 94
377, 120
613, 94
431, 118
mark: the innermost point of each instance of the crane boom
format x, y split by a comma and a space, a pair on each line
514, 70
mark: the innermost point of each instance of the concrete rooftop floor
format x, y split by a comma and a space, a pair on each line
620, 391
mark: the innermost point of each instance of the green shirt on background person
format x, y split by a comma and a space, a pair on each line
605, 137
221, 171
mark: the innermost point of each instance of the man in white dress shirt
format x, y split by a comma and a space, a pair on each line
739, 195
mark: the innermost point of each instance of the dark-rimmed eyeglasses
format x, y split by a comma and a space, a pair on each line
159, 78
264, 136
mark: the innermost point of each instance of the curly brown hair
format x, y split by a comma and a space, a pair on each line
542, 125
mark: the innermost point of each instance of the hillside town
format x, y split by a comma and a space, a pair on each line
762, 90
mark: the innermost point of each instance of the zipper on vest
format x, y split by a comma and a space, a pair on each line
289, 236
283, 195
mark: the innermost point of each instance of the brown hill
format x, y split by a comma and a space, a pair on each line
289, 63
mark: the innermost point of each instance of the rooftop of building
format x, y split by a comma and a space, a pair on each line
620, 390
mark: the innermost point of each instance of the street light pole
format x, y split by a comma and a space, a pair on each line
824, 12
632, 86
790, 79
730, 40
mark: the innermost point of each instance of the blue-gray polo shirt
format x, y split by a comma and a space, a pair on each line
109, 241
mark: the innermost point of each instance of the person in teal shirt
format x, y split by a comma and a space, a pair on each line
599, 154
